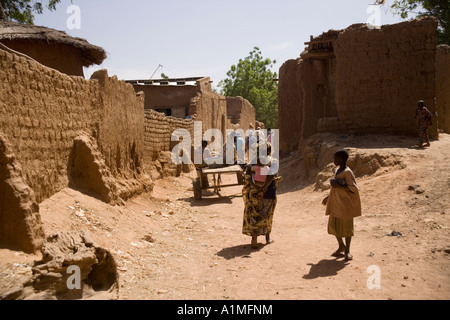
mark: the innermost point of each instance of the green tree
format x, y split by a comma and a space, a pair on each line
436, 8
253, 80
23, 10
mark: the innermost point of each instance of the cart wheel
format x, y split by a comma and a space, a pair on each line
205, 182
240, 178
197, 189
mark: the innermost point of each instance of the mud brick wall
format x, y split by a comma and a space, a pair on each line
290, 105
121, 125
306, 95
43, 110
443, 87
158, 131
382, 73
211, 109
317, 80
369, 82
240, 112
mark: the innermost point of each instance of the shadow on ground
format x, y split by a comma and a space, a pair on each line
209, 198
240, 251
325, 268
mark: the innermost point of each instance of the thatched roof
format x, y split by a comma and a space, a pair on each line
15, 31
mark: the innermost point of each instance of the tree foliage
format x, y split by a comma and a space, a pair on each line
23, 10
436, 8
253, 80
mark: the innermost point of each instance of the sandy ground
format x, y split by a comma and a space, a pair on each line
169, 246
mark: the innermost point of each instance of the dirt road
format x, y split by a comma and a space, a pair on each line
170, 246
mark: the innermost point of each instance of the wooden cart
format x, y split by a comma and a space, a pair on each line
202, 183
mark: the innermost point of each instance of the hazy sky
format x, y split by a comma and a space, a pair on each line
203, 37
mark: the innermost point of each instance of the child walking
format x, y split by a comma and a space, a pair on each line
424, 120
343, 205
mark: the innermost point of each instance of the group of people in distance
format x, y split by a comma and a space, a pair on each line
343, 204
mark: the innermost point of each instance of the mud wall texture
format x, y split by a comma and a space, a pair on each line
20, 222
240, 112
290, 105
158, 144
359, 80
382, 73
120, 126
158, 132
306, 100
443, 87
64, 131
43, 110
210, 108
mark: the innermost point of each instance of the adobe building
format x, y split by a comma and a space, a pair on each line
362, 80
194, 98
52, 48
171, 96
443, 87
242, 113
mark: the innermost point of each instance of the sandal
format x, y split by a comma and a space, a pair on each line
269, 240
348, 257
338, 254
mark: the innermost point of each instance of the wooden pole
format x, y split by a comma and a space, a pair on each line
2, 13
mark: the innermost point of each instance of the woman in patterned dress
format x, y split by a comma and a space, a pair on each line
260, 198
